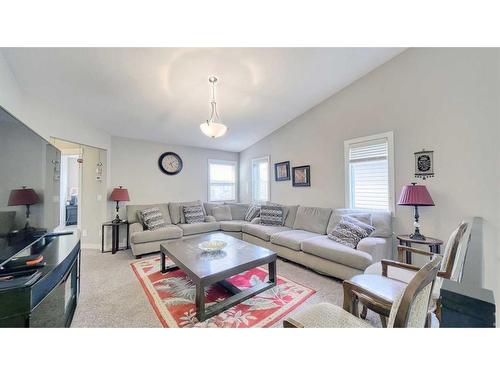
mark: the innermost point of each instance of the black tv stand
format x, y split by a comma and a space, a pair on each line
45, 296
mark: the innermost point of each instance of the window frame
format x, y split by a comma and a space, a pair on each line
236, 179
390, 166
267, 158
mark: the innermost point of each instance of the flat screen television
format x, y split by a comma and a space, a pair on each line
29, 173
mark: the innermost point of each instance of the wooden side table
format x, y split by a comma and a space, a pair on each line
433, 243
115, 236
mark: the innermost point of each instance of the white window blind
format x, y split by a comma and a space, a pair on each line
260, 179
368, 173
221, 180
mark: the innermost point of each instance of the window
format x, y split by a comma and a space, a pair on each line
369, 170
261, 188
221, 180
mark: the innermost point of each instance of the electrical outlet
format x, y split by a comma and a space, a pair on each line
84, 233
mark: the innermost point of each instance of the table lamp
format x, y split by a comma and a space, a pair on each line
415, 195
24, 197
118, 195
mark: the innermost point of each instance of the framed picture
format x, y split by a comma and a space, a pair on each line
301, 176
282, 171
424, 164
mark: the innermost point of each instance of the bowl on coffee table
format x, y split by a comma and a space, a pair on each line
212, 245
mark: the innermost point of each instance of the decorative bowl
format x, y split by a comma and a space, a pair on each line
214, 245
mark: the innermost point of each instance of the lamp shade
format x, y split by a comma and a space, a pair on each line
213, 129
415, 195
119, 194
20, 197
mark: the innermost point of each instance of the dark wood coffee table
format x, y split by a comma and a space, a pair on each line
205, 269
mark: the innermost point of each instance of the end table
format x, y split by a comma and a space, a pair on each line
115, 236
433, 243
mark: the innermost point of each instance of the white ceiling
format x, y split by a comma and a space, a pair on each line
162, 94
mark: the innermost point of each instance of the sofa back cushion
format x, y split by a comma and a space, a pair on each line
208, 206
271, 215
134, 209
290, 212
312, 219
222, 213
238, 210
381, 221
177, 211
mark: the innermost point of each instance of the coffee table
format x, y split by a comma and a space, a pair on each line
207, 268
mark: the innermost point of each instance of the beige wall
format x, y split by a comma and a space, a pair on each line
134, 164
446, 100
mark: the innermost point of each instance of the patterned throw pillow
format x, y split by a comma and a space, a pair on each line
271, 215
194, 214
152, 218
349, 233
252, 212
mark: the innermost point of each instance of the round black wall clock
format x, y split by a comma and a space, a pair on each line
170, 163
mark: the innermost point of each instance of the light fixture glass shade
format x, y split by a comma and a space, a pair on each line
213, 129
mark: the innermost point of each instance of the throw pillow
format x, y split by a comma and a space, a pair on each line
152, 218
222, 213
271, 215
252, 212
363, 222
348, 233
193, 214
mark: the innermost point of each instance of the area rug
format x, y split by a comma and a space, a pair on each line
172, 297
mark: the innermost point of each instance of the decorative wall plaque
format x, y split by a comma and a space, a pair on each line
424, 164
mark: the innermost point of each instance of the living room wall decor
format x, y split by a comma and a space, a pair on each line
301, 176
424, 164
282, 171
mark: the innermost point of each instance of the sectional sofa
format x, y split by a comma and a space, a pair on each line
302, 238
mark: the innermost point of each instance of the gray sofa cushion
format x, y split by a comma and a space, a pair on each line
238, 210
312, 219
232, 225
133, 209
207, 206
381, 221
177, 212
325, 248
169, 232
222, 213
196, 228
262, 231
289, 212
292, 238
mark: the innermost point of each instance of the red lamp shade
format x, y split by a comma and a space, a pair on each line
415, 195
21, 197
119, 194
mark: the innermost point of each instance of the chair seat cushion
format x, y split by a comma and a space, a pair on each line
385, 287
325, 248
196, 228
232, 225
264, 232
292, 238
327, 315
169, 232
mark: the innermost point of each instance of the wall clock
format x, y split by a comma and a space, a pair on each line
170, 163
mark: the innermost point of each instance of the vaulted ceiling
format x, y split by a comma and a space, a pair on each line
163, 94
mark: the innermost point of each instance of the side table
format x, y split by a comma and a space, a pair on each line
433, 243
115, 236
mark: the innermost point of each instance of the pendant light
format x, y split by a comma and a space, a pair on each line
213, 128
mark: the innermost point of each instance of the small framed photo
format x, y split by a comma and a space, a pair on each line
301, 176
424, 164
282, 171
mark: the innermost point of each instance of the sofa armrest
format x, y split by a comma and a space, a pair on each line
378, 247
135, 227
209, 219
255, 220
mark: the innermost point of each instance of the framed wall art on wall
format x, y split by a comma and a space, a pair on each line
282, 171
424, 164
301, 176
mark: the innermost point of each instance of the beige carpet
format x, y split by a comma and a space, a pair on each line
111, 295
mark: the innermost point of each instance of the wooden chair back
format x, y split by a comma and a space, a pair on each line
410, 309
455, 250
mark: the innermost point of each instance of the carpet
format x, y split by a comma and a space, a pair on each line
172, 297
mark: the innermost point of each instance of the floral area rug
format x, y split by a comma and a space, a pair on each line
172, 296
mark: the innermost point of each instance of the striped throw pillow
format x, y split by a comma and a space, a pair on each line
349, 233
152, 218
193, 214
271, 215
252, 212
